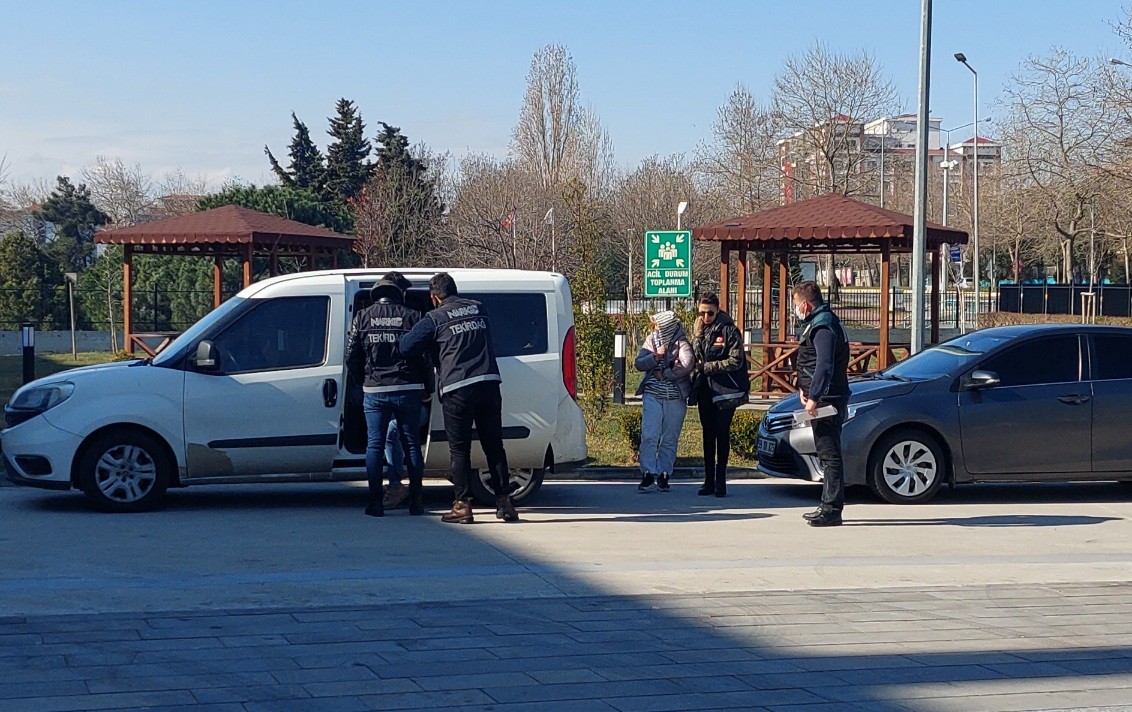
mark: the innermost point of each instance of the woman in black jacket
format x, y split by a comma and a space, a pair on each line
721, 385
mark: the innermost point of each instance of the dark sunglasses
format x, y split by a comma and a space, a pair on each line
708, 313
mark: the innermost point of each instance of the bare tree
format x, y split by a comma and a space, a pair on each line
823, 98
1061, 128
125, 193
739, 167
557, 138
178, 193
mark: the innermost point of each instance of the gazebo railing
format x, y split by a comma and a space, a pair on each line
775, 375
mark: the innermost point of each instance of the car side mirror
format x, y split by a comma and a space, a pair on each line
981, 379
207, 357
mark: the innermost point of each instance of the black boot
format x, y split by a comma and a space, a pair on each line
811, 516
505, 509
708, 488
416, 505
720, 481
827, 518
375, 509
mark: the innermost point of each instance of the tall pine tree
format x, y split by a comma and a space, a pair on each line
307, 170
75, 219
347, 157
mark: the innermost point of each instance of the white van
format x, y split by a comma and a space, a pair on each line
257, 391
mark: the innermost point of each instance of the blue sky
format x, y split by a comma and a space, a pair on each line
203, 85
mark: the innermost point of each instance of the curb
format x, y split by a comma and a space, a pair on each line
633, 473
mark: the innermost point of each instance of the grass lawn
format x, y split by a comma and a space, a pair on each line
12, 368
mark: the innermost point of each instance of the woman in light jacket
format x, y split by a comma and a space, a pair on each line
721, 385
667, 360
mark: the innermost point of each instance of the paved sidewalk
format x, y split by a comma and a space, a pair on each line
940, 648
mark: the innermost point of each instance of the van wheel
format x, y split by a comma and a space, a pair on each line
529, 481
906, 467
124, 470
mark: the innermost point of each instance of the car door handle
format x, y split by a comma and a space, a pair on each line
1074, 400
330, 392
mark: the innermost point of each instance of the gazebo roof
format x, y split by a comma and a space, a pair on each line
827, 221
227, 225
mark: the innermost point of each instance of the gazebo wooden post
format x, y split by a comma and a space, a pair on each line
724, 275
273, 263
334, 259
246, 263
217, 280
935, 295
741, 289
783, 295
127, 297
767, 310
885, 257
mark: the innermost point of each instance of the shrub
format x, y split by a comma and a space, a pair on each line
629, 425
745, 433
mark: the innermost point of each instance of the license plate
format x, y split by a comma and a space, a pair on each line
766, 446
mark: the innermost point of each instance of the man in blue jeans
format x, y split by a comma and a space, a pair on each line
393, 386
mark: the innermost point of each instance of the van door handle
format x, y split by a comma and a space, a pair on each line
330, 392
1074, 400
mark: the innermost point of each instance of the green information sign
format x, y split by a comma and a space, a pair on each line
668, 263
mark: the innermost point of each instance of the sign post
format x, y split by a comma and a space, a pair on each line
668, 263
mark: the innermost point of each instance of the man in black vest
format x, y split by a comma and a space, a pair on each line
458, 334
394, 385
823, 363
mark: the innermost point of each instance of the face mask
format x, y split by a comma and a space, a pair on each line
799, 313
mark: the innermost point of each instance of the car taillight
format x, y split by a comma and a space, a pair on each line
570, 365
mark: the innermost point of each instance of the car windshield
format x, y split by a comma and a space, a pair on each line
194, 331
943, 359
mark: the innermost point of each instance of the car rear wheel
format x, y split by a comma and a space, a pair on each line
528, 482
124, 470
906, 467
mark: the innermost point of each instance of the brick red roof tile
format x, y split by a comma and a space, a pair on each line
231, 224
822, 220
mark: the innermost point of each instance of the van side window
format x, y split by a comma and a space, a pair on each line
287, 332
518, 322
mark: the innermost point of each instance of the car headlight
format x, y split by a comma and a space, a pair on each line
855, 408
39, 399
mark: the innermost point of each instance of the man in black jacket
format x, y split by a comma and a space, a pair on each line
394, 385
458, 335
823, 363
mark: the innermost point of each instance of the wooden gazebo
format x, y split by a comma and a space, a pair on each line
823, 225
230, 231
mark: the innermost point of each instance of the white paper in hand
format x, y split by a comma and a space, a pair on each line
801, 417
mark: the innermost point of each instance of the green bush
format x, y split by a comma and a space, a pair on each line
629, 425
745, 433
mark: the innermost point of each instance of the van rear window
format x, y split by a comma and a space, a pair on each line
518, 322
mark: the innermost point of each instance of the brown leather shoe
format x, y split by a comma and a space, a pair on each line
461, 513
396, 496
505, 510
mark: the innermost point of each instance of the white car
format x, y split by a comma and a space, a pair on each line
257, 391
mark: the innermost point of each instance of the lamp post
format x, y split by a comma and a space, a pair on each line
549, 220
920, 227
948, 165
962, 59
680, 211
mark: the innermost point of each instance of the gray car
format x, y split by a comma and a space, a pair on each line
1048, 402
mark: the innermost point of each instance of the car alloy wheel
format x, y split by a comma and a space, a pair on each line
124, 470
906, 468
527, 483
125, 473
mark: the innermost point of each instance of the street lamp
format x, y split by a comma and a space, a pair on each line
948, 164
549, 220
962, 59
1121, 62
680, 211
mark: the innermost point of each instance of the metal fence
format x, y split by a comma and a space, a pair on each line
859, 308
155, 309
1110, 299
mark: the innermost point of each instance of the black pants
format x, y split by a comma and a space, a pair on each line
481, 405
827, 440
716, 424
